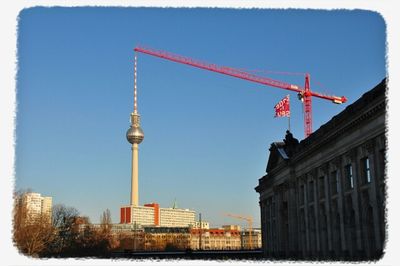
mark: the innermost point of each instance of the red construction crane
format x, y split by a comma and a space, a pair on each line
304, 93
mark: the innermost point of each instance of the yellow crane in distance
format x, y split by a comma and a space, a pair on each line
249, 221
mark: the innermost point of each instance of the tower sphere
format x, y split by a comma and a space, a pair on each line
135, 135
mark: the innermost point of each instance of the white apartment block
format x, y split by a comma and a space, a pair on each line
152, 215
170, 217
142, 215
37, 205
47, 204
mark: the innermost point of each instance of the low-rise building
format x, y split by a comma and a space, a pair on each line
215, 239
232, 227
202, 224
251, 242
155, 238
133, 240
166, 238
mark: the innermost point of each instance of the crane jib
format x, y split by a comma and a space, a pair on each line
304, 93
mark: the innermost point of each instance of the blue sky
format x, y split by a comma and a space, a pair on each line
206, 135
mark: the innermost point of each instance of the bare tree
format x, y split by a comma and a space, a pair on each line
106, 221
63, 216
63, 220
32, 233
65, 234
105, 234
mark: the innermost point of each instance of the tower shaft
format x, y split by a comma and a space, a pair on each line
135, 175
135, 136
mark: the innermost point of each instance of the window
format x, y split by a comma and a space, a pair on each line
334, 183
366, 170
348, 169
321, 182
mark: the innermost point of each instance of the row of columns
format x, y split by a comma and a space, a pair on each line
346, 224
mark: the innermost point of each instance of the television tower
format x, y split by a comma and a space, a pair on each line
135, 136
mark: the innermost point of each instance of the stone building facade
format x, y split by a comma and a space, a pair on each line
215, 239
166, 238
181, 238
154, 239
324, 197
255, 239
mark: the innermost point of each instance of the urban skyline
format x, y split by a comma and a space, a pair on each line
75, 85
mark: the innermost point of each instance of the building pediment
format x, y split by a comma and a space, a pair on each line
281, 151
277, 155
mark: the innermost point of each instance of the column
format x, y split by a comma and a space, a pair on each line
374, 185
135, 176
356, 199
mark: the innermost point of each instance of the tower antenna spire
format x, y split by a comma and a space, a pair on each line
135, 84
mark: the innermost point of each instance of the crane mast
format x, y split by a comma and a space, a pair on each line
307, 107
249, 221
304, 93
